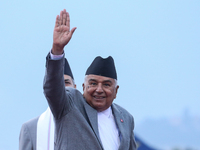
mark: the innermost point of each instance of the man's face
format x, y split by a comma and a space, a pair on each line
99, 91
68, 81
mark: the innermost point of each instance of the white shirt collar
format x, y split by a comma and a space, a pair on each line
108, 130
107, 112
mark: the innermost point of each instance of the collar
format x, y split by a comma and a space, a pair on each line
107, 112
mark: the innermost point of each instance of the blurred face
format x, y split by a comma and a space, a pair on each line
99, 91
68, 81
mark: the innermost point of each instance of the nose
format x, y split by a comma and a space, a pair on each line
99, 88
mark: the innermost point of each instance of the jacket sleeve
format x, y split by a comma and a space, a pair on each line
54, 88
25, 142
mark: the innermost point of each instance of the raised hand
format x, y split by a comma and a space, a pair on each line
62, 33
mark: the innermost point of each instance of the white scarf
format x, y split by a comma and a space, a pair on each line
45, 131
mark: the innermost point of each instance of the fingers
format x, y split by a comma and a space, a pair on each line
57, 21
61, 18
64, 17
68, 20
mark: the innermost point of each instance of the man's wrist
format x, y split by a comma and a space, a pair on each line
56, 57
57, 50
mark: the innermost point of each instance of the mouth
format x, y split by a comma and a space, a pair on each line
99, 97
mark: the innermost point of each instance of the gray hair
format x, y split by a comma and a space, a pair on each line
114, 80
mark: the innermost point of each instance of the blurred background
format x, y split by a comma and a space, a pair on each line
156, 47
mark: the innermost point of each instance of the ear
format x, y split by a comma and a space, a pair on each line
75, 86
116, 90
83, 85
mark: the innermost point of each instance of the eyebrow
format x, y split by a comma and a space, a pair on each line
107, 81
67, 80
92, 80
103, 81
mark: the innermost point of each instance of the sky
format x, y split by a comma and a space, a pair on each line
155, 45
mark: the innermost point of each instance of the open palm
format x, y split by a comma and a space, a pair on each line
62, 33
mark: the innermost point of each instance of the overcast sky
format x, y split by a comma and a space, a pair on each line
155, 45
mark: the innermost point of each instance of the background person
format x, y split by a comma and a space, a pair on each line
38, 133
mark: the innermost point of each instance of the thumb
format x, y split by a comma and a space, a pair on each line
72, 31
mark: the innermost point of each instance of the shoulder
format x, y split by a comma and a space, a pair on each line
28, 134
121, 109
75, 97
74, 94
29, 127
31, 122
72, 91
121, 113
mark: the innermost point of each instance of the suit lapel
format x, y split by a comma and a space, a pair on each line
119, 119
92, 115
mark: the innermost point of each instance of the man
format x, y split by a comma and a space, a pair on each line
88, 121
38, 133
